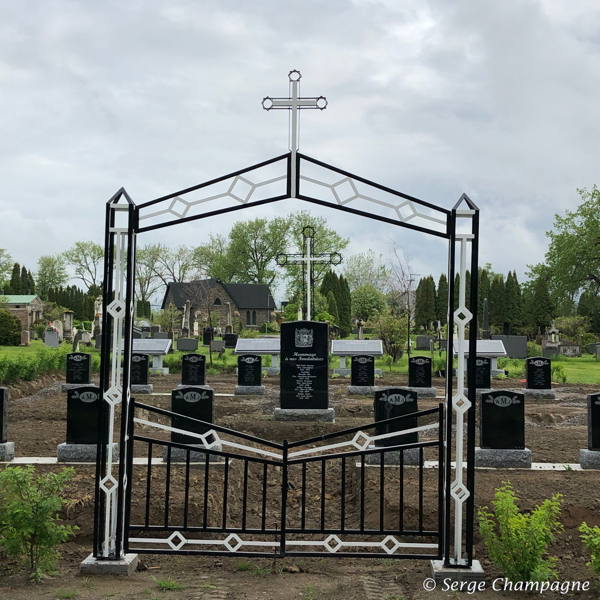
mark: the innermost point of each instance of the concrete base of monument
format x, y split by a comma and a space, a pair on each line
81, 452
7, 451
411, 457
94, 566
272, 370
503, 458
249, 390
141, 388
304, 414
473, 573
539, 394
344, 372
179, 454
180, 386
589, 459
158, 370
498, 373
65, 387
423, 392
362, 390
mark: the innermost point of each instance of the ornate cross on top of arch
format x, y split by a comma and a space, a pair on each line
294, 103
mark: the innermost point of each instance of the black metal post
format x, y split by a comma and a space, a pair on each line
284, 491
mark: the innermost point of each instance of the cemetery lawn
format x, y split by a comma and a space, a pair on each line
585, 369
17, 350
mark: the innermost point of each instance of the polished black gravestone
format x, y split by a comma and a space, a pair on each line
207, 336
362, 371
249, 370
230, 340
483, 372
7, 449
139, 369
83, 415
79, 368
538, 371
502, 430
419, 372
304, 364
193, 369
590, 458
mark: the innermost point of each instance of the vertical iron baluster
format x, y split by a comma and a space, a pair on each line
206, 468
343, 509
441, 481
245, 496
401, 512
303, 518
167, 486
186, 504
148, 485
225, 486
362, 492
284, 484
264, 498
381, 489
420, 489
322, 494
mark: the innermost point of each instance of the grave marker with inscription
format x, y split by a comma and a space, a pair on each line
589, 458
539, 373
79, 368
193, 369
7, 449
249, 370
83, 415
395, 402
230, 340
483, 372
207, 336
363, 371
419, 372
139, 369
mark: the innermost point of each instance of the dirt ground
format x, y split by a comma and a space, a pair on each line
555, 431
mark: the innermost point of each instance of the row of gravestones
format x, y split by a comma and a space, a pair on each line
538, 373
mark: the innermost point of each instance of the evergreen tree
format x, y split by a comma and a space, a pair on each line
418, 314
344, 308
24, 281
543, 310
31, 282
497, 306
327, 284
425, 302
15, 280
513, 309
441, 300
468, 289
483, 292
456, 290
332, 308
589, 306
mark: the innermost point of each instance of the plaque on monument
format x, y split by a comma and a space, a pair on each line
502, 424
395, 402
83, 415
79, 368
139, 369
304, 363
195, 403
483, 372
539, 373
362, 371
192, 369
594, 422
207, 336
419, 371
230, 340
3, 415
249, 370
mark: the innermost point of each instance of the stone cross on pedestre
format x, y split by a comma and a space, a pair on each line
294, 103
308, 259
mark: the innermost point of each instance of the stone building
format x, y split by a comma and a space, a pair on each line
251, 303
29, 308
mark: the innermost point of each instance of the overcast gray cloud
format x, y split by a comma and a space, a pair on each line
433, 98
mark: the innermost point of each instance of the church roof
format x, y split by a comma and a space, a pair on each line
19, 298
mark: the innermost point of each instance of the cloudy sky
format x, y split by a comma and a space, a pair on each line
430, 97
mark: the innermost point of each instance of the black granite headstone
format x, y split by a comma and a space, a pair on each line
192, 402
139, 369
502, 424
362, 370
395, 402
593, 422
3, 415
79, 368
83, 415
192, 369
230, 340
304, 363
539, 373
207, 336
249, 370
483, 372
419, 371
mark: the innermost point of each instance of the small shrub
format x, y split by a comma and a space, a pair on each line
29, 523
558, 373
213, 371
591, 540
517, 542
10, 329
167, 584
533, 349
242, 566
249, 333
335, 376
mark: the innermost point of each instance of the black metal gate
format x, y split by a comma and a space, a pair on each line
237, 494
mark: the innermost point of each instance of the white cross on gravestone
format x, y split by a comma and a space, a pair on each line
309, 258
294, 103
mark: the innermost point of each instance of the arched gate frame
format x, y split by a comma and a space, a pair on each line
292, 175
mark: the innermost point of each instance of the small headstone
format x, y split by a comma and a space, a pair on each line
207, 336
161, 335
362, 371
192, 369
249, 370
230, 340
187, 344
83, 415
25, 338
591, 348
79, 368
419, 371
3, 415
538, 371
154, 329
483, 372
98, 340
191, 402
597, 351
423, 342
139, 369
136, 334
217, 345
594, 422
86, 337
502, 424
395, 402
51, 339
304, 364
571, 350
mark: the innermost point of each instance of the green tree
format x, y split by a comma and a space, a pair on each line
6, 263
24, 281
589, 306
425, 302
147, 280
366, 267
88, 259
31, 282
497, 301
392, 330
10, 335
483, 292
214, 260
542, 308
367, 302
573, 328
441, 300
15, 279
345, 308
332, 308
51, 273
513, 308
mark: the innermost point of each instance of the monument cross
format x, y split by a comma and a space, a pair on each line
294, 103
308, 259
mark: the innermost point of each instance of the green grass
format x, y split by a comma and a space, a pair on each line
21, 350
66, 594
167, 584
585, 369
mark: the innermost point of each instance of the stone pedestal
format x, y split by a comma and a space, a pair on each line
305, 414
82, 452
7, 451
411, 457
157, 367
344, 372
423, 392
93, 566
65, 387
439, 572
249, 390
589, 459
141, 389
362, 390
179, 454
503, 459
271, 371
529, 394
